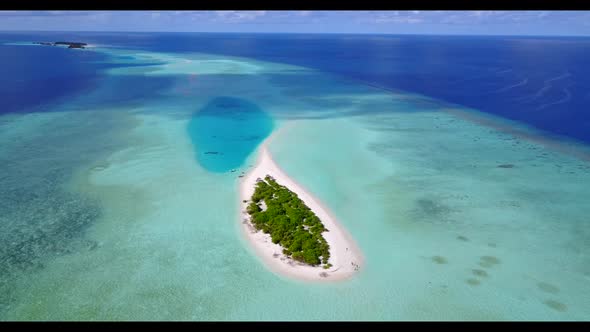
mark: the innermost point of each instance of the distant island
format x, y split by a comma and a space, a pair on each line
277, 211
69, 44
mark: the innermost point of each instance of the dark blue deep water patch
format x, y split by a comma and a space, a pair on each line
34, 77
226, 131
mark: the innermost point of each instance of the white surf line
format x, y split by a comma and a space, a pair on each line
568, 97
547, 85
504, 71
564, 75
473, 78
521, 83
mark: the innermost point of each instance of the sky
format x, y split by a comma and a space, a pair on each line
574, 23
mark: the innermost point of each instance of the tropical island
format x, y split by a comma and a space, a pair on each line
69, 44
292, 232
278, 211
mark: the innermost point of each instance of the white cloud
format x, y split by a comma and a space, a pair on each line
485, 13
397, 17
575, 21
21, 13
100, 17
484, 17
235, 16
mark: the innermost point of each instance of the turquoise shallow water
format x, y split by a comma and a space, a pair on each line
447, 234
226, 131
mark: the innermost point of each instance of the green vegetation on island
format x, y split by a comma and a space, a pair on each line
69, 44
277, 211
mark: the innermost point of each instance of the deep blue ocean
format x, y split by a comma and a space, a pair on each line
540, 81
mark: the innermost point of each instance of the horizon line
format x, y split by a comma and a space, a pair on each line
303, 33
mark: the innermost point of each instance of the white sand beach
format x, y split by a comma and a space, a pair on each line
345, 256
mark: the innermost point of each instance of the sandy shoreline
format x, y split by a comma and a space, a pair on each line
345, 256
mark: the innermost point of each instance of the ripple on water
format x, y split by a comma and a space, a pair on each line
548, 288
479, 273
439, 260
555, 305
472, 282
488, 261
